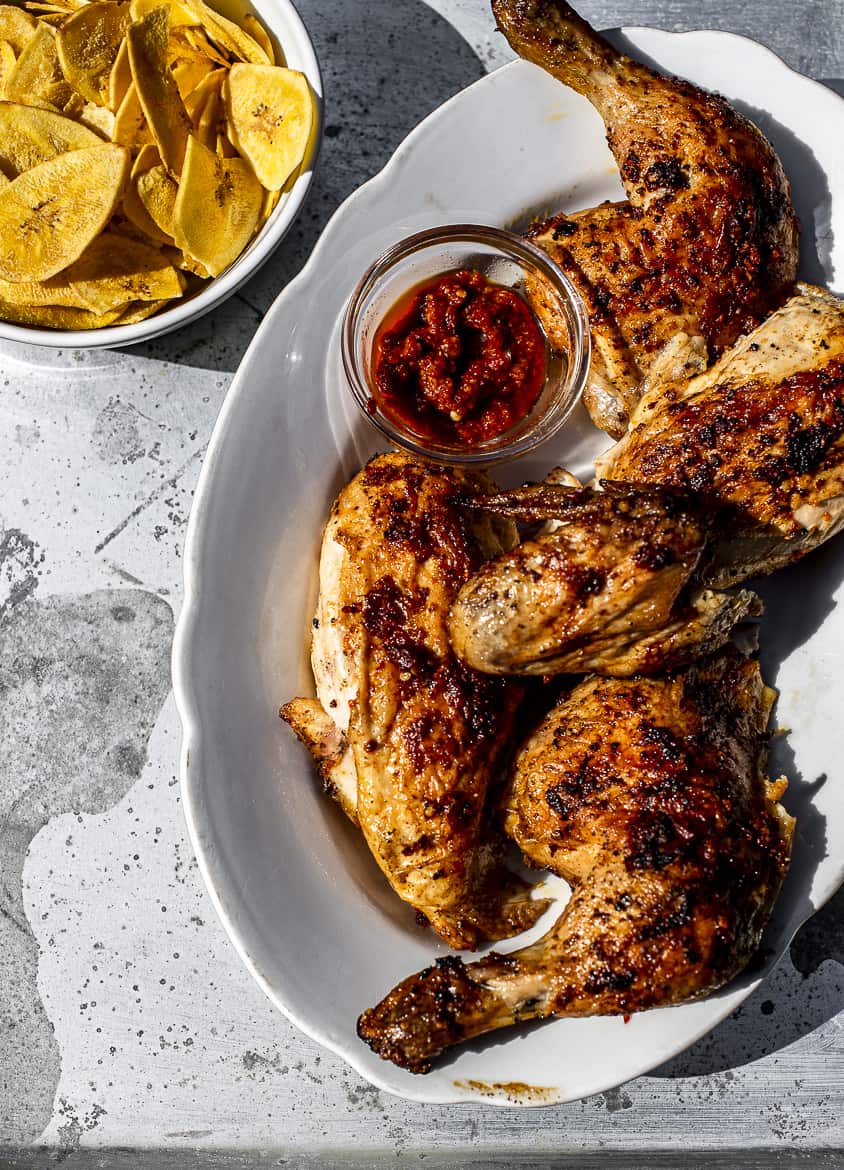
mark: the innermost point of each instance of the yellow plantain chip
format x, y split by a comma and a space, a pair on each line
217, 207
134, 210
56, 317
190, 72
268, 205
225, 148
140, 218
29, 136
36, 70
186, 262
114, 270
120, 77
130, 126
196, 38
157, 91
157, 191
62, 7
48, 12
16, 27
88, 43
227, 35
258, 33
139, 311
4, 182
99, 119
269, 118
208, 123
147, 158
180, 16
74, 105
58, 94
8, 60
196, 99
50, 214
28, 294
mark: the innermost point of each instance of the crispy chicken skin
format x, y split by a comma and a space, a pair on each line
706, 242
646, 795
424, 732
759, 435
605, 590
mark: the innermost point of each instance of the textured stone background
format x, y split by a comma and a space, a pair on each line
126, 1019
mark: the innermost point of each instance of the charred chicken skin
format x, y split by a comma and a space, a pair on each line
759, 435
706, 242
647, 796
609, 588
403, 733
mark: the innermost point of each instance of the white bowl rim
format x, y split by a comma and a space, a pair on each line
300, 54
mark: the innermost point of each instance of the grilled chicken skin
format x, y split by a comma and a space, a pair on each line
759, 435
646, 795
706, 242
419, 734
608, 589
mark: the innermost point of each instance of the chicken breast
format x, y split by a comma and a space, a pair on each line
418, 736
647, 796
759, 435
609, 588
706, 242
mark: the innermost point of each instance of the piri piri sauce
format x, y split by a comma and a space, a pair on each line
458, 359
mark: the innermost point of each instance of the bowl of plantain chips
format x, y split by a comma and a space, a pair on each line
153, 154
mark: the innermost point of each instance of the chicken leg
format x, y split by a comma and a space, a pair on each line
647, 796
706, 242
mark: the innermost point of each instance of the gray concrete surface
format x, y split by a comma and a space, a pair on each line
127, 1023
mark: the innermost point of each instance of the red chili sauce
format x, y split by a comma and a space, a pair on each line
458, 359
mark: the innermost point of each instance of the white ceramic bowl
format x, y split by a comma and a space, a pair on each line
291, 38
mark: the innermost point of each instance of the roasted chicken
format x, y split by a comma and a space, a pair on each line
405, 735
706, 242
609, 588
759, 435
647, 796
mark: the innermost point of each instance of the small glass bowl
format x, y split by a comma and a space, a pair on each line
505, 259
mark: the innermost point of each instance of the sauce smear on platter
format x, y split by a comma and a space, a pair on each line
458, 359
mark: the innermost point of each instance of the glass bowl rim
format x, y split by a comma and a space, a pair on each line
516, 248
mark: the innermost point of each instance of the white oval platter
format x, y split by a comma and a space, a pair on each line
303, 902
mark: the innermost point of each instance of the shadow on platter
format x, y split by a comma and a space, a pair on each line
810, 194
788, 1006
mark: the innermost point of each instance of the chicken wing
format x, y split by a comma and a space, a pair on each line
760, 436
607, 589
647, 796
419, 736
707, 241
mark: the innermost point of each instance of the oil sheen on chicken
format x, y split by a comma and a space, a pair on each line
647, 796
406, 736
706, 242
609, 588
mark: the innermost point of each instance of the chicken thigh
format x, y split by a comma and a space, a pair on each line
706, 242
647, 796
404, 734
